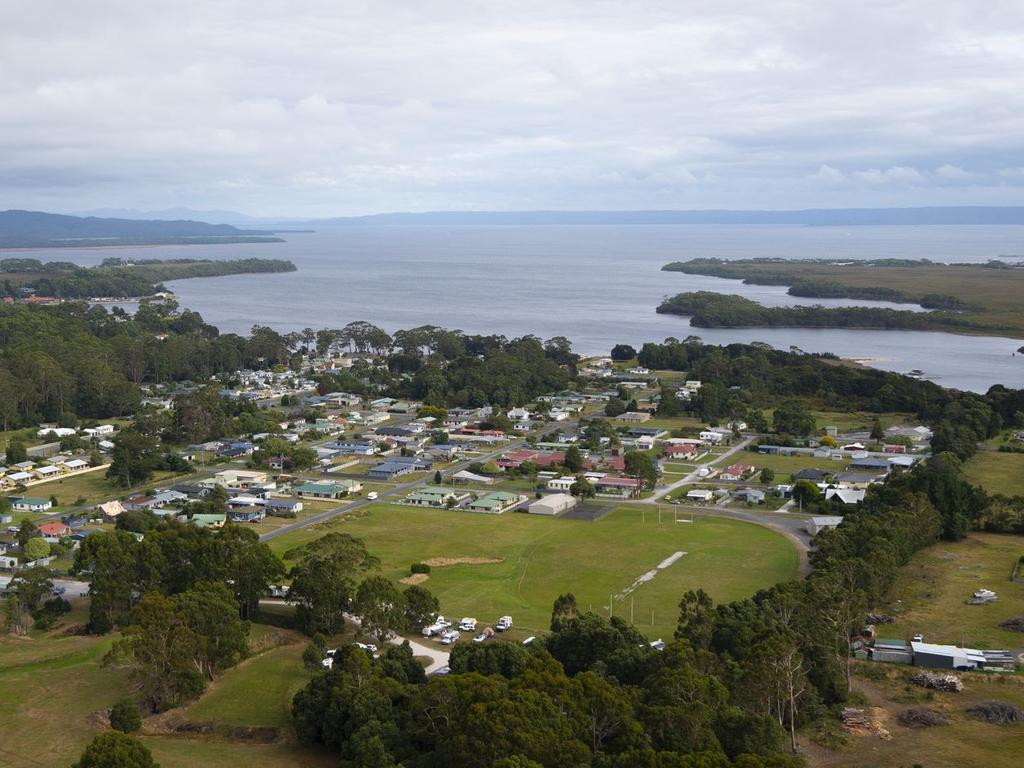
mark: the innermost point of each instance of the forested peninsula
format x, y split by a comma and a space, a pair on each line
967, 298
116, 278
36, 229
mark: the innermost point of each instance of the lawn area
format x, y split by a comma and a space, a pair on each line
51, 685
258, 692
936, 583
541, 558
964, 742
856, 421
92, 486
785, 466
997, 472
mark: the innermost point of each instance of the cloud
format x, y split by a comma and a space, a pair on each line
897, 174
319, 108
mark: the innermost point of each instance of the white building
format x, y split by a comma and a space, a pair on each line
554, 504
563, 483
818, 524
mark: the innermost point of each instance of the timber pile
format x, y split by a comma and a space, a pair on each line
860, 723
880, 618
922, 718
947, 683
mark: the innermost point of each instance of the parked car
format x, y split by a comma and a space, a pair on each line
370, 647
372, 496
443, 671
439, 626
505, 622
918, 638
467, 624
449, 637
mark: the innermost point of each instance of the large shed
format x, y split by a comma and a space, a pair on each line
553, 504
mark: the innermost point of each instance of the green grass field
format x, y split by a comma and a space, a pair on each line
542, 558
934, 586
997, 472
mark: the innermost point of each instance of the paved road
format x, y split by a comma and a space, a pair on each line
694, 477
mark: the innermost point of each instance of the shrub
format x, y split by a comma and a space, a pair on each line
124, 716
419, 568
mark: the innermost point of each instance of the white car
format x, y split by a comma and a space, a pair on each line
370, 647
372, 496
481, 637
449, 637
467, 624
505, 622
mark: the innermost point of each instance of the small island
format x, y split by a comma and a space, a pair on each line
965, 298
34, 280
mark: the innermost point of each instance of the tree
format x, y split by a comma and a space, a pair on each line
438, 478
564, 609
623, 352
124, 716
767, 475
159, 650
643, 466
805, 492
583, 488
793, 417
114, 749
133, 458
877, 433
323, 580
573, 459
696, 618
36, 548
421, 606
16, 453
380, 606
30, 586
210, 610
27, 530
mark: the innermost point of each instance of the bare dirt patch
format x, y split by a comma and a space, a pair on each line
440, 562
416, 578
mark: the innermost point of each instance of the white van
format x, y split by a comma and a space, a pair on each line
467, 624
449, 637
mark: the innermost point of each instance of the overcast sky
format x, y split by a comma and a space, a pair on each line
345, 107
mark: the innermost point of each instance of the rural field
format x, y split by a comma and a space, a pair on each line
522, 562
997, 472
885, 693
930, 594
54, 686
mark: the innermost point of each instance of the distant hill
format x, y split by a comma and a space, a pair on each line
35, 229
812, 217
189, 214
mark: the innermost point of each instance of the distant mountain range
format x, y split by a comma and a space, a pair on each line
34, 229
178, 214
822, 217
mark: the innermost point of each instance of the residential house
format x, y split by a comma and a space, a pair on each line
110, 509
29, 504
464, 477
495, 502
845, 495
813, 475
710, 436
563, 483
323, 490
282, 506
702, 495
681, 451
750, 495
737, 471
436, 496
54, 531
633, 417
612, 485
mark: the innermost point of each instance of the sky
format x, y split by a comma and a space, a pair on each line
341, 107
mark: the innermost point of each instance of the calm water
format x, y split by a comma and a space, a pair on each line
597, 285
